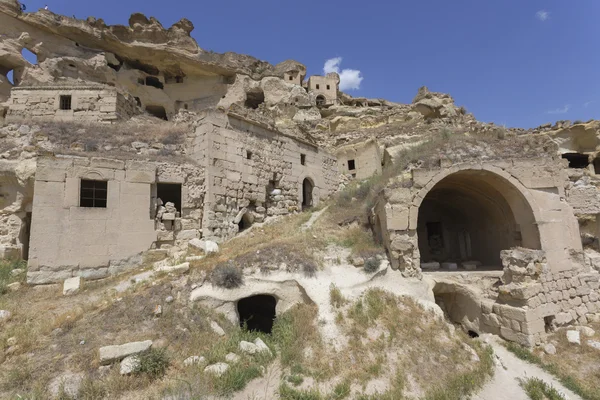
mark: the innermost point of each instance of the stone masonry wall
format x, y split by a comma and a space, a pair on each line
88, 103
69, 240
254, 172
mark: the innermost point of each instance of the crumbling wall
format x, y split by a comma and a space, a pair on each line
256, 172
364, 157
87, 103
16, 196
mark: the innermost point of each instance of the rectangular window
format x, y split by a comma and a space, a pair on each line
303, 159
351, 165
328, 87
317, 86
291, 78
93, 193
65, 102
248, 155
169, 193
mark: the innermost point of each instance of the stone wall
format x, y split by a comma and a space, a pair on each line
88, 103
530, 190
16, 196
366, 157
69, 240
254, 172
327, 86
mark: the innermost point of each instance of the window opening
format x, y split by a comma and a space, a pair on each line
154, 81
303, 159
317, 86
351, 165
248, 155
93, 193
577, 160
65, 102
169, 193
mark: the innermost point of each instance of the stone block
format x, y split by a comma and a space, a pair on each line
163, 236
109, 354
71, 285
187, 234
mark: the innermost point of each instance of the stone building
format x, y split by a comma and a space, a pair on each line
90, 103
90, 215
325, 88
360, 160
504, 216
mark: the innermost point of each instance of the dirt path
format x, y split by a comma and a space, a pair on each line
313, 218
505, 385
264, 388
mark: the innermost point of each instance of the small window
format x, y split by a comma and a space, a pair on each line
93, 193
248, 155
317, 86
185, 106
597, 165
328, 87
169, 193
351, 165
291, 78
303, 159
65, 102
577, 160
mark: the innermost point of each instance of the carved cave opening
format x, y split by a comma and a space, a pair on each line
257, 313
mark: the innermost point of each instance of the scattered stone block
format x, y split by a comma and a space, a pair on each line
232, 357
248, 347
13, 287
109, 354
71, 286
68, 382
169, 299
193, 360
430, 265
216, 328
217, 369
261, 346
207, 246
358, 261
168, 216
573, 337
594, 344
586, 331
471, 265
174, 269
5, 316
549, 348
450, 266
129, 365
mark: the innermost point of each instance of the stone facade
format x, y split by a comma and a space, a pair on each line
69, 103
241, 171
361, 160
70, 239
325, 87
254, 172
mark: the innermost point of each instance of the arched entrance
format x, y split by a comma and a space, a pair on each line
321, 100
245, 222
472, 215
307, 193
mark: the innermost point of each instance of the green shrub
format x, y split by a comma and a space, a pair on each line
336, 298
153, 363
371, 265
227, 276
537, 389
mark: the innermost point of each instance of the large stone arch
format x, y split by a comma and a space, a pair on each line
472, 214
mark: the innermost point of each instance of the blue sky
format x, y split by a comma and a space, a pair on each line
514, 62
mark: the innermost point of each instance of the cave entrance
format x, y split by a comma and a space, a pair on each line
257, 313
245, 222
577, 160
254, 98
157, 111
472, 215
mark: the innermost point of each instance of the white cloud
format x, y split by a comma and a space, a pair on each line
542, 15
350, 79
587, 103
562, 110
